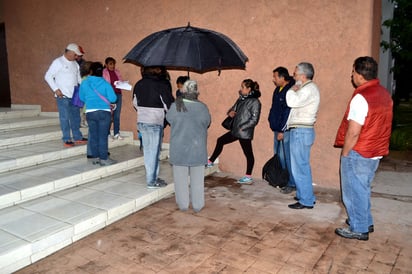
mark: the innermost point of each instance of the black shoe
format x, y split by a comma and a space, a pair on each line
347, 233
299, 206
287, 189
371, 228
296, 199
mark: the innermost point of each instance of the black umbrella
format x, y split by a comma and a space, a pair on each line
188, 48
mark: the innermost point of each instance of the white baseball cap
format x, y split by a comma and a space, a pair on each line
75, 48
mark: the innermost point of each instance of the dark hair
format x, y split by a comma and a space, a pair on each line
283, 72
109, 59
96, 69
249, 83
182, 79
367, 67
85, 68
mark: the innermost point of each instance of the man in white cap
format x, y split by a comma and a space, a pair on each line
63, 76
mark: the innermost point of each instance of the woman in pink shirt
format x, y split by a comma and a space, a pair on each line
111, 75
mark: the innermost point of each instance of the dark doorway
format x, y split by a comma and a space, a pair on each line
5, 97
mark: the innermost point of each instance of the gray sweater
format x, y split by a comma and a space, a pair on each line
188, 138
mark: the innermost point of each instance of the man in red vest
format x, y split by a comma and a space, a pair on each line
364, 136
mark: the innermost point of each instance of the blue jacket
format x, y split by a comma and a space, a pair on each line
91, 98
279, 112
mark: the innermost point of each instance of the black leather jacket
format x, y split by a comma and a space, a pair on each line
247, 110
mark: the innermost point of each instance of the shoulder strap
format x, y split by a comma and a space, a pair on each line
101, 96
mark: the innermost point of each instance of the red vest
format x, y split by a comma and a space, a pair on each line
376, 132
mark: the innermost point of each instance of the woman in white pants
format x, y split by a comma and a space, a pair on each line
189, 120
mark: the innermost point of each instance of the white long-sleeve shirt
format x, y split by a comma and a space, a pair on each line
304, 104
64, 75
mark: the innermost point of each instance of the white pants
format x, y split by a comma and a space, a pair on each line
195, 177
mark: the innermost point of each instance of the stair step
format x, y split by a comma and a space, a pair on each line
33, 230
21, 137
51, 196
38, 153
19, 111
29, 183
27, 122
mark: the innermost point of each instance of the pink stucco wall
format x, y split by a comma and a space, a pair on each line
329, 34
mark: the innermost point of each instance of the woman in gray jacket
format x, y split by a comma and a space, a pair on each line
245, 113
189, 120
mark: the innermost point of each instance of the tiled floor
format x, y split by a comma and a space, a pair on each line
243, 229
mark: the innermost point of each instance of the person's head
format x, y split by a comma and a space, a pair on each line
364, 69
248, 86
152, 70
79, 58
190, 92
303, 72
281, 76
190, 88
96, 69
110, 63
85, 68
72, 52
164, 74
180, 81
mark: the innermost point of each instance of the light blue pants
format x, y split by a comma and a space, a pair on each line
152, 143
357, 174
69, 117
301, 141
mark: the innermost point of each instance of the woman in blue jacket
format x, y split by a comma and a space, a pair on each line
98, 95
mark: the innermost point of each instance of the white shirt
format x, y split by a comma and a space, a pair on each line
358, 109
304, 104
64, 75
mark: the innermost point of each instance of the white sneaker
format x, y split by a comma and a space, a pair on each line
117, 137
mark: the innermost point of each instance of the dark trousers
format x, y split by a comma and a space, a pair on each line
246, 145
99, 123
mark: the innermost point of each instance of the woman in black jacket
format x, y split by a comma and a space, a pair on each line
245, 113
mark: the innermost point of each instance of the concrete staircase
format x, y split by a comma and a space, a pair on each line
51, 196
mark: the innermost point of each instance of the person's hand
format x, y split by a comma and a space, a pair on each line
232, 113
297, 85
295, 88
280, 136
59, 93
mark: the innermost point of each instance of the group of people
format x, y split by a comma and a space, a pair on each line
103, 101
292, 117
363, 134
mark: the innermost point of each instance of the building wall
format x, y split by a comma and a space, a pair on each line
329, 34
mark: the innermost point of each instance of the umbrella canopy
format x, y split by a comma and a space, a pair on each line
188, 48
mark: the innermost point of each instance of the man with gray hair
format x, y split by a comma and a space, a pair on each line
303, 99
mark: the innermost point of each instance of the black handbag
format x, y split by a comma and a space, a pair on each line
273, 172
227, 123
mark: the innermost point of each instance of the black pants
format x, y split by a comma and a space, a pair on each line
246, 145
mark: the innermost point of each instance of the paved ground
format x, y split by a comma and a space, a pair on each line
249, 229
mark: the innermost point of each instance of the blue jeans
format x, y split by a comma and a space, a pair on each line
356, 174
301, 141
99, 124
69, 116
286, 143
152, 143
116, 114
